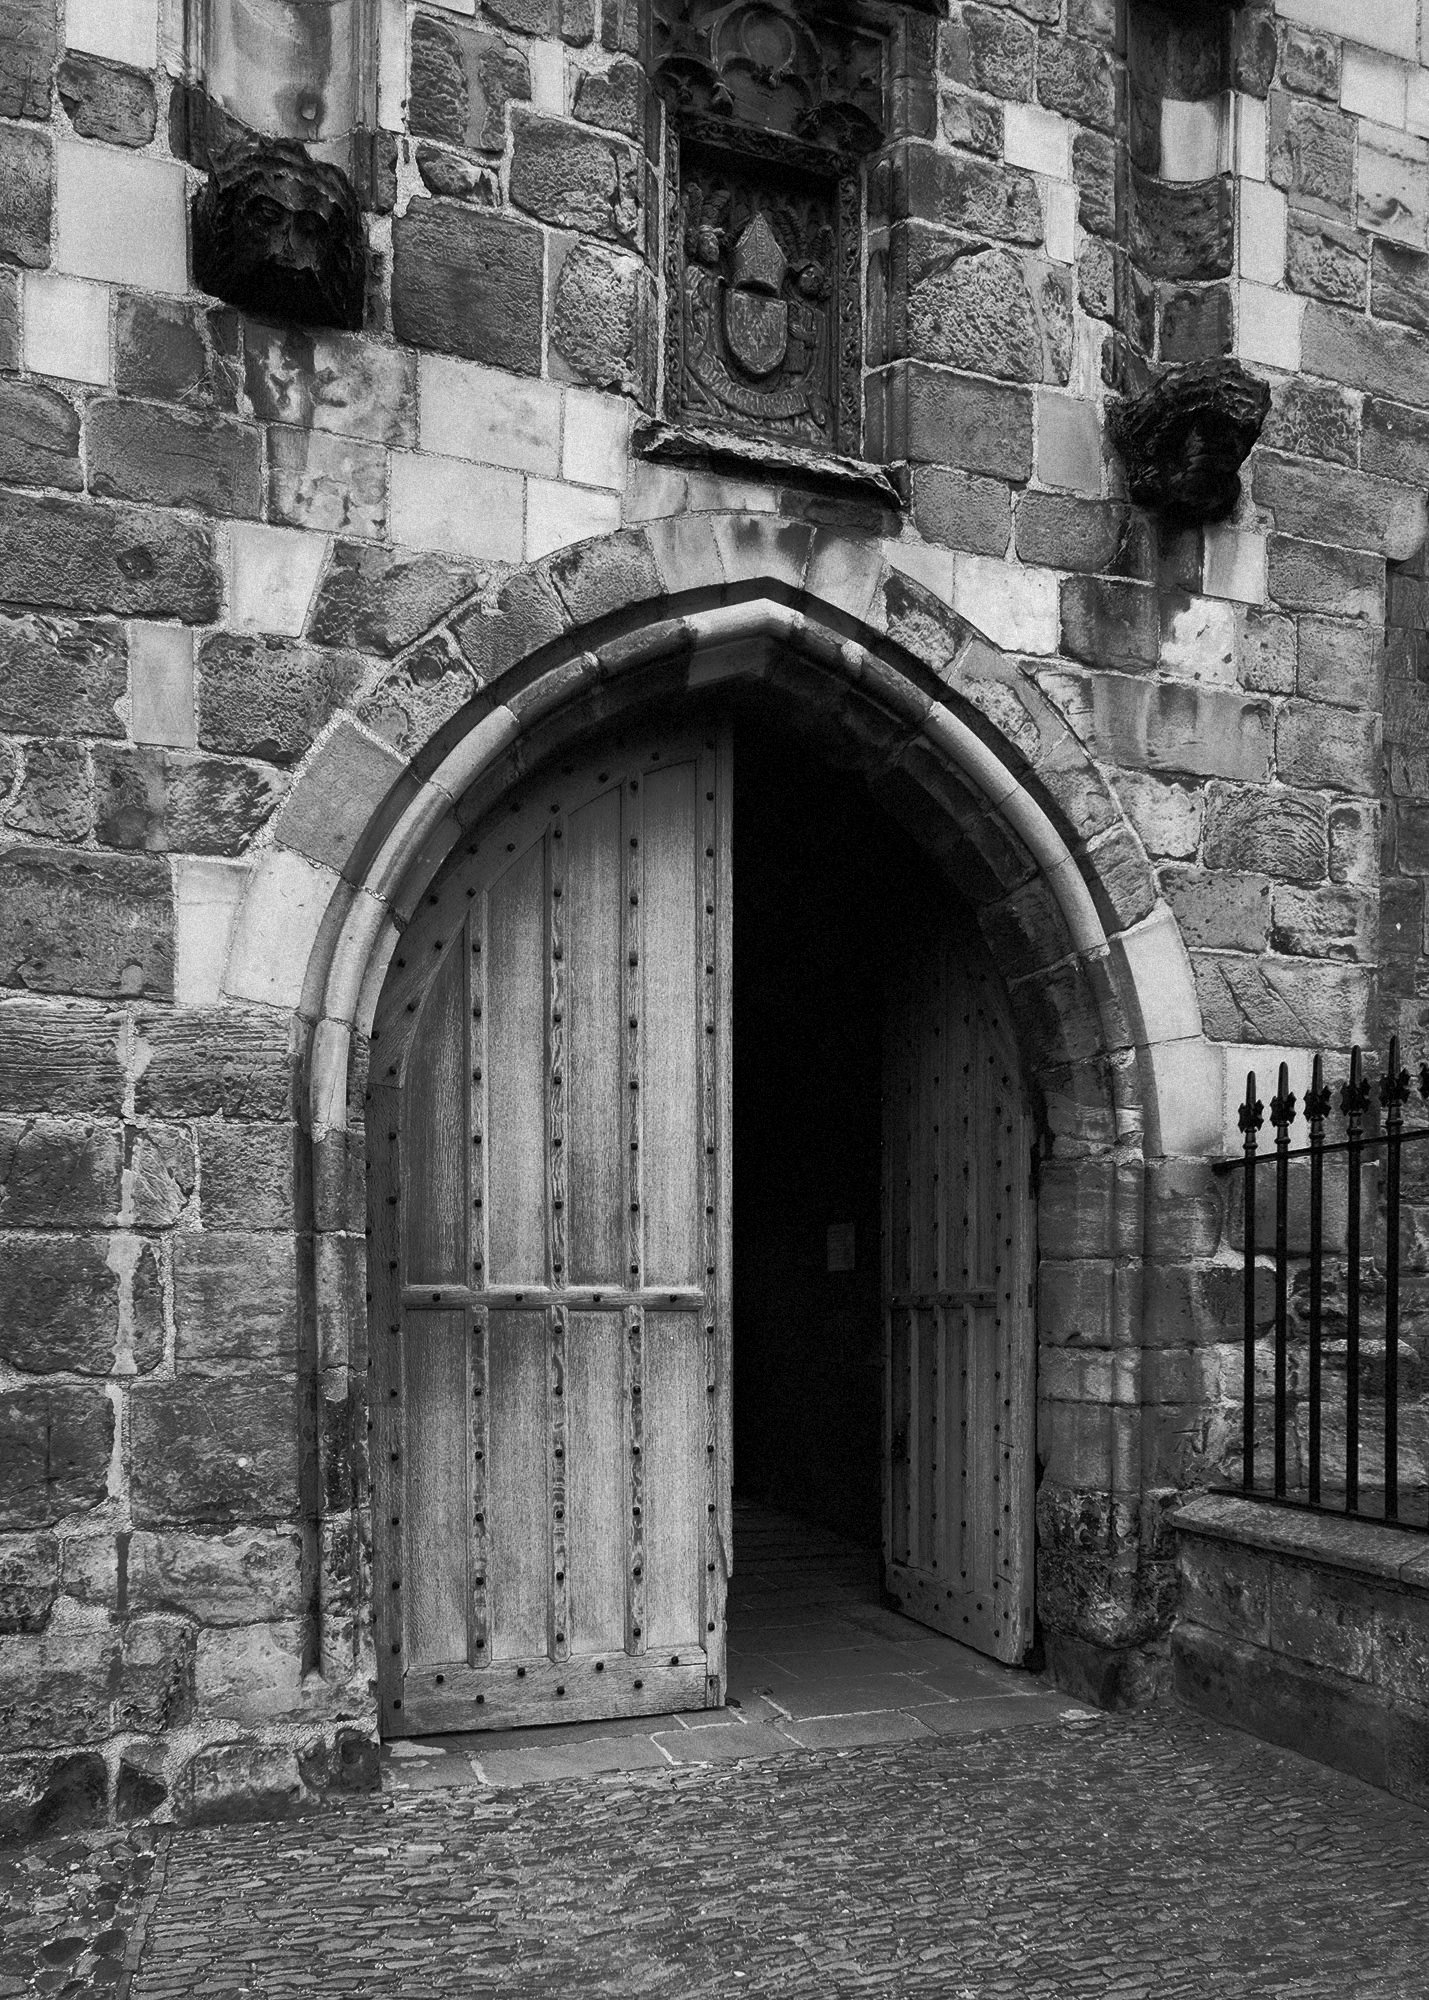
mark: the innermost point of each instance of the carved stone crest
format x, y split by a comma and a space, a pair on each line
774, 65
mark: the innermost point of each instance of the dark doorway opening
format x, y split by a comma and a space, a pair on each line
823, 881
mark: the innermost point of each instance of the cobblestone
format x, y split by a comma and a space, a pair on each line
72, 1911
1113, 1858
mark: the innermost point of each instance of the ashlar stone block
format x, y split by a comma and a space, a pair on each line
120, 217
66, 328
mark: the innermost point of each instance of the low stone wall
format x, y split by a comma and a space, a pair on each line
1310, 1632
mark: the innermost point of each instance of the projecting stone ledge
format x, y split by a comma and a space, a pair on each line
1183, 440
731, 451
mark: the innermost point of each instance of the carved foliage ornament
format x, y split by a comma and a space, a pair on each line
772, 65
1184, 439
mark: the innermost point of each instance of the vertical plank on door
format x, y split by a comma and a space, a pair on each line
595, 1437
674, 1451
517, 1498
433, 1584
595, 1177
434, 1192
516, 1072
669, 1083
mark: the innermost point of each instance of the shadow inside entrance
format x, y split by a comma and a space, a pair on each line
815, 1663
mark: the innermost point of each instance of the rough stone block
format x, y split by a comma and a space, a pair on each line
213, 1452
155, 1689
205, 1062
169, 458
55, 800
328, 381
81, 555
1312, 151
1195, 321
1177, 727
1181, 229
59, 1059
235, 1300
1323, 503
57, 1686
219, 1579
86, 923
1064, 531
1334, 748
467, 283
10, 322
1314, 420
1265, 647
250, 1673
27, 177
979, 307
1286, 1002
107, 101
990, 50
601, 319
39, 437
1346, 347
957, 191
326, 483
1313, 576
1340, 663
566, 175
411, 702
64, 1296
1354, 829
461, 82
1395, 441
1226, 1588
605, 576
342, 789
269, 698
27, 58
1110, 622
517, 615
165, 801
1277, 833
1167, 813
1077, 79
29, 1581
962, 510
1326, 260
55, 1445
177, 351
247, 1175
934, 416
1223, 911
61, 676
245, 1781
1326, 922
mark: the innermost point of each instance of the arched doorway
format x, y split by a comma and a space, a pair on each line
554, 1243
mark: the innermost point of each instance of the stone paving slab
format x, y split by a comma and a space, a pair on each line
1152, 1857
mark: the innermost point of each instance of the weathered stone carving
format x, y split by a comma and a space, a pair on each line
1183, 439
772, 65
281, 236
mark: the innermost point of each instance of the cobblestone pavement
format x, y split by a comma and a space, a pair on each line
72, 1911
1156, 1857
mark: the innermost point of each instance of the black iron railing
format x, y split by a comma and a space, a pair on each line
1337, 1296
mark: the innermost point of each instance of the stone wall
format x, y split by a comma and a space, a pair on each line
255, 579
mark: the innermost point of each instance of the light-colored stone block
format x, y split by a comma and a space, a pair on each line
935, 568
1188, 1079
207, 895
1193, 138
126, 31
1036, 139
1198, 641
1059, 221
1234, 565
391, 27
277, 928
66, 327
1012, 606
1250, 139
1163, 988
466, 411
1268, 327
120, 216
596, 441
1416, 101
273, 573
1261, 220
457, 507
1373, 86
1392, 25
1393, 184
548, 77
161, 685
1069, 443
557, 515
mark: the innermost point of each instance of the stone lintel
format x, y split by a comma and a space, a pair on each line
714, 449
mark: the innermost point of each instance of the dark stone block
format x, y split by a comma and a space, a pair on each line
1253, 47
461, 179
61, 1304
1326, 260
81, 556
55, 800
1182, 229
58, 1059
577, 21
281, 235
962, 420
411, 702
461, 82
1094, 172
1309, 63
917, 619
177, 351
1195, 322
619, 24
467, 283
44, 1795
138, 1793
167, 801
1400, 285
1312, 151
169, 458
1317, 420
213, 1062
9, 321
596, 578
27, 58
1110, 622
39, 437
1065, 532
509, 624
247, 1175
1313, 576
1096, 278
27, 178
1335, 503
269, 698
617, 100
379, 602
58, 1174
235, 1300
214, 1451
979, 307
61, 676
962, 510
86, 923
29, 1582
990, 50
958, 192
55, 1445
972, 122
1077, 79
567, 176
106, 101
1395, 441
602, 310
1281, 835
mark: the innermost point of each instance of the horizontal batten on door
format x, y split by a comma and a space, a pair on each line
532, 1298
926, 1301
509, 1697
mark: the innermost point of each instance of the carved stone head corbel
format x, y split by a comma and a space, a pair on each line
1184, 439
280, 235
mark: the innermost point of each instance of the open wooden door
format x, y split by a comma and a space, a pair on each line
550, 1257
959, 1340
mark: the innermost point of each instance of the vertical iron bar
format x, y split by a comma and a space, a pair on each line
1354, 1098
1393, 1090
1249, 1121
1317, 1103
1282, 1114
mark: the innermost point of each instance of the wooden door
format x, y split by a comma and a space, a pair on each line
551, 1248
959, 1341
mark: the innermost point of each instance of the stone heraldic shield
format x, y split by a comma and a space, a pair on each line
756, 317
